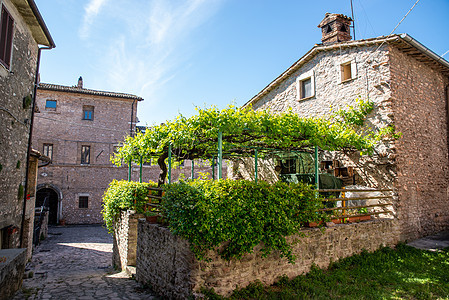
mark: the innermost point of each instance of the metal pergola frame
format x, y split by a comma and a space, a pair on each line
220, 162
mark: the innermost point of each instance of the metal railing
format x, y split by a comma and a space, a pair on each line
347, 210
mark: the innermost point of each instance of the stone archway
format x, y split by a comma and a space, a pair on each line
51, 196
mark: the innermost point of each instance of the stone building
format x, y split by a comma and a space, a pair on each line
22, 31
79, 129
409, 86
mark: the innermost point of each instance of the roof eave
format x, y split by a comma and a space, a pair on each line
33, 18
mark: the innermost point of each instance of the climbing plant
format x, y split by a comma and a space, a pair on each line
233, 216
244, 129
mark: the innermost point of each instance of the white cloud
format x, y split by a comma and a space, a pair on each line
151, 43
91, 10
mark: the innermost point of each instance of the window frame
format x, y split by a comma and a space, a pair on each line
49, 108
48, 150
85, 201
88, 108
85, 158
299, 85
6, 42
341, 71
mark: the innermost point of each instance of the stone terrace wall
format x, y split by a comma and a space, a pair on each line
125, 240
419, 104
166, 263
12, 266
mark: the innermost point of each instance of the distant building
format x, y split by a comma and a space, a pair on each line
22, 31
79, 129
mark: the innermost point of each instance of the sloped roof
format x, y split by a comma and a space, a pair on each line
74, 89
33, 18
403, 42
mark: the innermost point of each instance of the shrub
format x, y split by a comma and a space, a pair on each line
124, 195
232, 217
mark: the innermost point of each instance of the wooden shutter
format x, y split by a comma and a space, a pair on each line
6, 35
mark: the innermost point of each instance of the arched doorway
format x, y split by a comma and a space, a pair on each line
49, 198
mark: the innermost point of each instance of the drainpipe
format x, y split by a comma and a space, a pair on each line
132, 118
30, 136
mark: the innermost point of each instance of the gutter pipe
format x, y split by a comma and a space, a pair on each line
424, 49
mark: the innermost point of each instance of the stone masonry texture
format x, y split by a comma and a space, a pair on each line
125, 240
165, 262
419, 103
15, 84
12, 265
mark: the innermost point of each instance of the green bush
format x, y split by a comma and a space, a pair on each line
124, 195
232, 217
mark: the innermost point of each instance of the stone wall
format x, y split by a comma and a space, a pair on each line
15, 83
125, 240
420, 114
12, 267
166, 263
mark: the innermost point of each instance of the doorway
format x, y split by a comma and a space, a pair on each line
49, 198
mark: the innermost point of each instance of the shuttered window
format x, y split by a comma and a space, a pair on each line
6, 30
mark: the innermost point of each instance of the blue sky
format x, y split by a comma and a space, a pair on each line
181, 54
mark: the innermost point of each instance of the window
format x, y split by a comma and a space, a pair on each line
348, 71
85, 155
88, 112
83, 202
50, 105
48, 150
6, 32
305, 85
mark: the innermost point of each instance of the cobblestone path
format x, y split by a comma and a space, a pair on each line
75, 263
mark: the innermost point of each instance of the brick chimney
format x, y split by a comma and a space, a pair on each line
80, 83
335, 28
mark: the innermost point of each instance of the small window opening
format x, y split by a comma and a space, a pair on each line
83, 202
85, 155
343, 28
50, 105
346, 72
328, 28
306, 88
48, 150
88, 112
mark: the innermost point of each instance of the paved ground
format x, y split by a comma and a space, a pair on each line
433, 242
74, 262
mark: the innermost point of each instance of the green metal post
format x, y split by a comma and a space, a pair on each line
213, 168
169, 163
140, 175
255, 165
193, 169
129, 169
317, 175
220, 154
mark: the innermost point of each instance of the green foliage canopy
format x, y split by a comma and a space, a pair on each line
244, 129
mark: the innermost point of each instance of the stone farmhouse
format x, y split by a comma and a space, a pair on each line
409, 86
22, 31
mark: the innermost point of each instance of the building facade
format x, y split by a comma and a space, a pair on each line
409, 86
79, 129
22, 31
